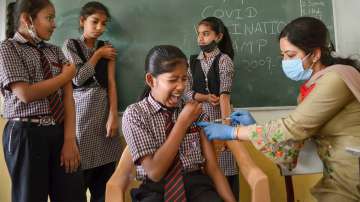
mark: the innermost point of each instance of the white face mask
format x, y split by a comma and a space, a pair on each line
32, 32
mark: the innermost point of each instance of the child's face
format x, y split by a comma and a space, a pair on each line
94, 25
44, 22
167, 88
206, 35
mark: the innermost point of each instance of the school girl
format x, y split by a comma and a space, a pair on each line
210, 80
39, 138
95, 99
167, 147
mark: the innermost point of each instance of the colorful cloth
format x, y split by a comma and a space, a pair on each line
330, 114
305, 90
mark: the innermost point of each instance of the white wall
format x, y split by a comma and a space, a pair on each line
347, 26
2, 18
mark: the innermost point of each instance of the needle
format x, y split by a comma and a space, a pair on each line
221, 120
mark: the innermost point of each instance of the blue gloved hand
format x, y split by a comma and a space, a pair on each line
217, 131
242, 117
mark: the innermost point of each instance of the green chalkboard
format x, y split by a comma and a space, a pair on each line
138, 25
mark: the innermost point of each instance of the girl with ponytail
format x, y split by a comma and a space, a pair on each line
35, 79
210, 81
10, 20
170, 152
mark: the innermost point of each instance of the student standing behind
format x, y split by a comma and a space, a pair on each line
39, 138
162, 138
210, 80
95, 99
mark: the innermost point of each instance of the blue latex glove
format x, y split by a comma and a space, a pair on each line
242, 117
217, 131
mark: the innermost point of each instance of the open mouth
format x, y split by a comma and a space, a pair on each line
174, 99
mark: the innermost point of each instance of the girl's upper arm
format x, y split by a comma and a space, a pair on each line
226, 73
70, 52
208, 152
11, 66
206, 146
111, 70
188, 89
68, 91
85, 69
137, 134
62, 59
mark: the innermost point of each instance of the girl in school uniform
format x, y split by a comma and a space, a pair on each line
95, 99
166, 146
39, 138
210, 80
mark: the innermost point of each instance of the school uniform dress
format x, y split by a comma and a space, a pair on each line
330, 115
144, 126
224, 73
97, 152
32, 140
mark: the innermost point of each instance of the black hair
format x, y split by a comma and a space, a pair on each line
14, 10
308, 33
162, 59
10, 30
93, 7
225, 45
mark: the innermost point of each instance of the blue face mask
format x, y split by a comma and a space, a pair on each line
294, 69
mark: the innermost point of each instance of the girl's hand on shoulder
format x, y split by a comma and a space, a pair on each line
190, 112
112, 126
70, 156
69, 71
107, 51
213, 99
